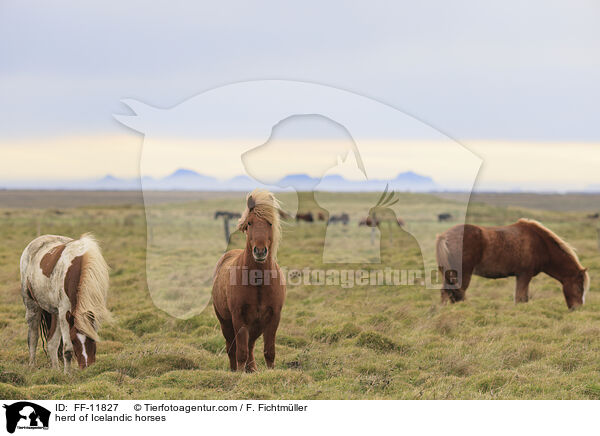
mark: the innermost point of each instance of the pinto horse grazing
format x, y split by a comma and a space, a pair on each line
523, 249
248, 287
64, 283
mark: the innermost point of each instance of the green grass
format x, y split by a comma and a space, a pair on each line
379, 342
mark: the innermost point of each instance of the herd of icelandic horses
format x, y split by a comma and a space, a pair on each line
64, 282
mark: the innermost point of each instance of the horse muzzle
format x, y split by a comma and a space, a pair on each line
260, 255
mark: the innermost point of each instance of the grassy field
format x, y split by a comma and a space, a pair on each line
364, 342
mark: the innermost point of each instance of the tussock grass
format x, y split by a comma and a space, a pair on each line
344, 343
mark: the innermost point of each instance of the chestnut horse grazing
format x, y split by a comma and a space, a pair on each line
523, 249
64, 283
248, 287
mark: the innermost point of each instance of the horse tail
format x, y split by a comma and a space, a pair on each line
91, 310
444, 259
45, 323
442, 253
48, 325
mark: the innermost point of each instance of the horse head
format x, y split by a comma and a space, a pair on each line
260, 222
575, 288
84, 347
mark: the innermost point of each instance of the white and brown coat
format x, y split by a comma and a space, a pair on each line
64, 284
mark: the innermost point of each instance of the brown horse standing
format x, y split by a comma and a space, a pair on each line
248, 288
523, 249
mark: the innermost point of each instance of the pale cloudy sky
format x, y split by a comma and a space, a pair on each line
515, 82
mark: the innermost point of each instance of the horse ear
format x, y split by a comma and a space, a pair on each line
251, 203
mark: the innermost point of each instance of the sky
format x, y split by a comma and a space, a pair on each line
514, 82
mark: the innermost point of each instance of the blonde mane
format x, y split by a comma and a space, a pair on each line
266, 207
91, 309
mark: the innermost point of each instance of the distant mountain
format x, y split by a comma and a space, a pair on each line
111, 183
301, 182
412, 177
240, 183
189, 180
186, 180
182, 172
410, 181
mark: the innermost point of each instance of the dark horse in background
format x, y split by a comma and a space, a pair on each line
343, 218
248, 287
523, 249
308, 217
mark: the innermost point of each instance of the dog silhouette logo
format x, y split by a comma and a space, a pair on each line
256, 132
26, 415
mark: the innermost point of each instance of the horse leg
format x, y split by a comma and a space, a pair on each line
63, 325
269, 338
450, 291
229, 334
251, 365
459, 294
54, 341
241, 344
450, 286
32, 315
447, 288
522, 289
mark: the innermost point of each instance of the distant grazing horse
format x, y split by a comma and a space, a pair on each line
375, 221
369, 221
64, 283
308, 217
594, 216
444, 217
523, 249
381, 213
343, 218
248, 287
